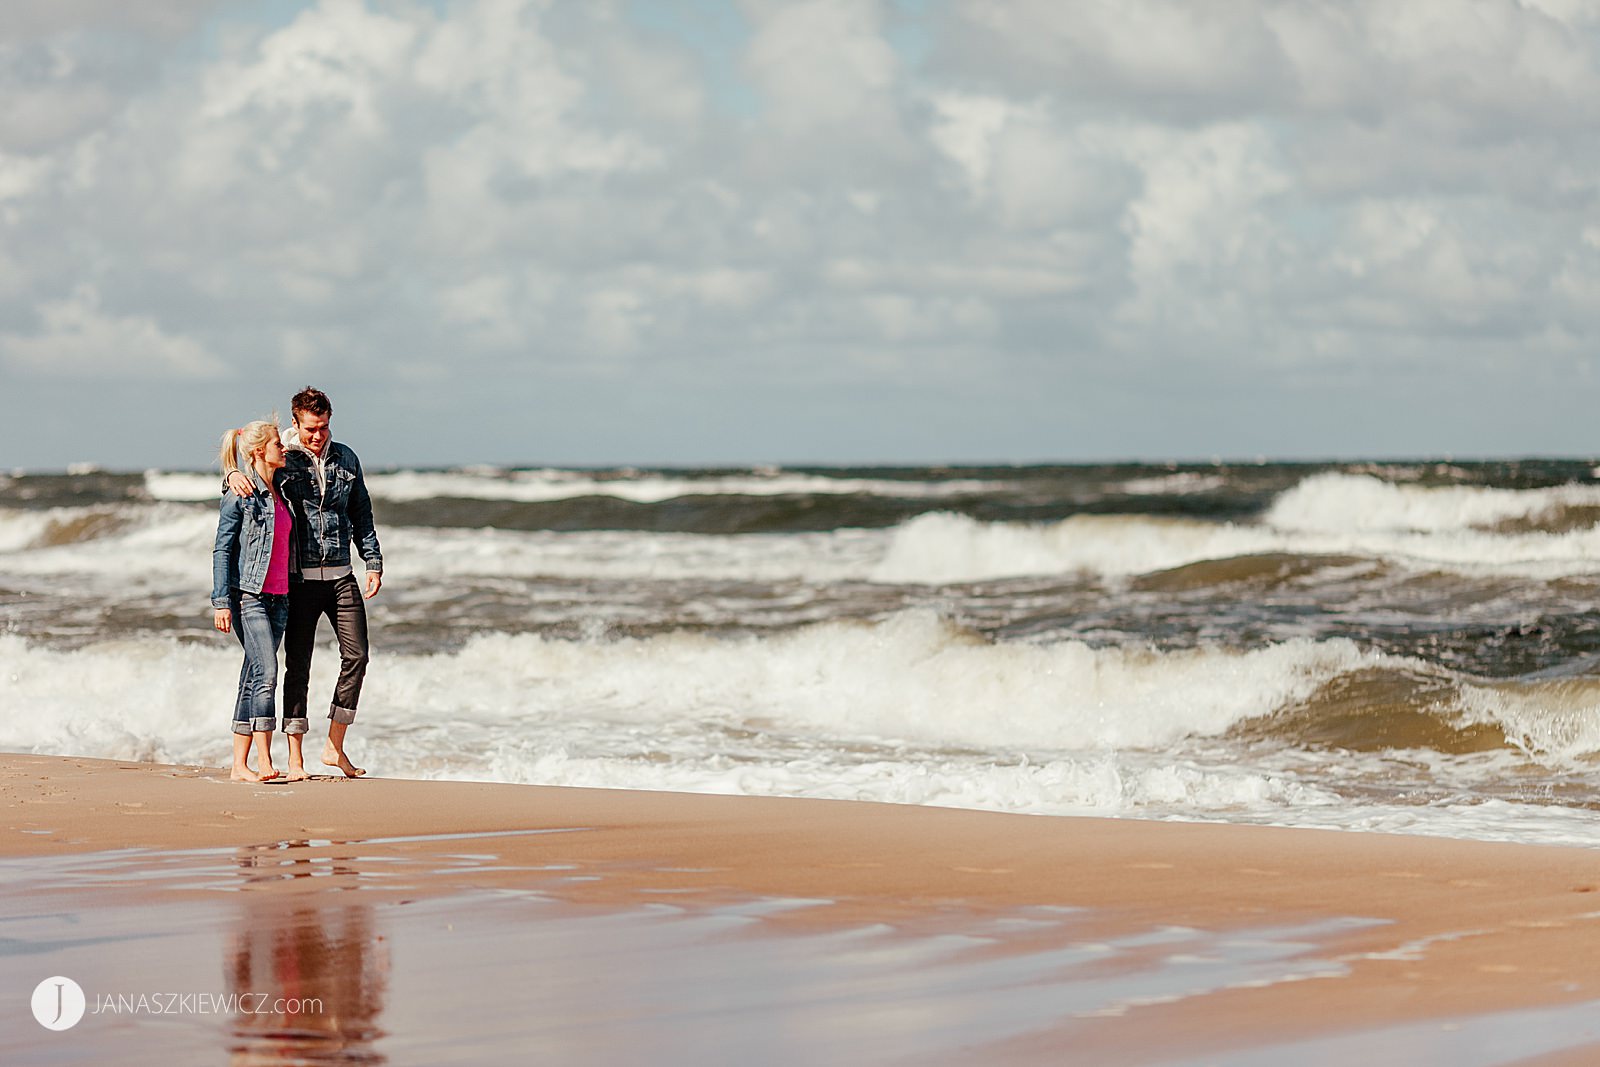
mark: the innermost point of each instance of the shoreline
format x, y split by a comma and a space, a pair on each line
1414, 928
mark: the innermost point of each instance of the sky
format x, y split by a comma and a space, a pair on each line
684, 232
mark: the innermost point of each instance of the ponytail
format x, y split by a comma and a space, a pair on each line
225, 456
239, 445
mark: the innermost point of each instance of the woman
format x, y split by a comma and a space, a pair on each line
250, 592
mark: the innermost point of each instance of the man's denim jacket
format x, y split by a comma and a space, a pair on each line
331, 510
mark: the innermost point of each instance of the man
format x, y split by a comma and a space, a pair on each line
322, 483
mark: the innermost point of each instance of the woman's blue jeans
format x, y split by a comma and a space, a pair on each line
258, 621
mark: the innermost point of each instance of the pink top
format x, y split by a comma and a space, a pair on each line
277, 580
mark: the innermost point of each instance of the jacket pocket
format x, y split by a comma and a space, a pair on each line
339, 482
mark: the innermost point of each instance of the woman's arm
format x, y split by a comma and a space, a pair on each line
225, 552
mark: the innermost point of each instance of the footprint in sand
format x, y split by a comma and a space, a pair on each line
136, 807
983, 870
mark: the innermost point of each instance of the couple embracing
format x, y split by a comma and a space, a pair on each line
293, 505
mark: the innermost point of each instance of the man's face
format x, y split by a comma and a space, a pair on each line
314, 432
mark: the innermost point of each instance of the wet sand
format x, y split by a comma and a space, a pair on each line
613, 924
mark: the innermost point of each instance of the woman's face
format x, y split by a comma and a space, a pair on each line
272, 452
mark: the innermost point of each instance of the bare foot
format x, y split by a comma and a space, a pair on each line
244, 774
297, 773
270, 773
332, 757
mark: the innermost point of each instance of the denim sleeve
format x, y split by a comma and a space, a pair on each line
225, 553
366, 534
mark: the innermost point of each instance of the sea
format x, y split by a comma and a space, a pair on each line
1406, 647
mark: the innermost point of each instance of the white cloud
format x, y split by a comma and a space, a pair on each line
615, 319
21, 175
554, 193
339, 55
964, 128
68, 66
1044, 176
1204, 194
1480, 65
1186, 55
820, 61
30, 19
483, 306
76, 339
729, 287
33, 117
1578, 14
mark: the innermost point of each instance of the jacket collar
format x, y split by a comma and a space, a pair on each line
255, 477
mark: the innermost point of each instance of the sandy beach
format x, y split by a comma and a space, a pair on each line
1365, 935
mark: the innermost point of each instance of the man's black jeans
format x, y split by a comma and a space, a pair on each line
339, 600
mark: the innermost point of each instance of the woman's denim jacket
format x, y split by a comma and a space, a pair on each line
244, 541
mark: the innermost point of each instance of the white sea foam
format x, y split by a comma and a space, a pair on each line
172, 543
1181, 483
182, 487
541, 486
941, 547
1350, 503
21, 529
913, 679
944, 547
910, 710
834, 555
1111, 785
1557, 720
143, 544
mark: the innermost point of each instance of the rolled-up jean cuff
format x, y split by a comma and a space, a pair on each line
241, 727
292, 725
344, 715
264, 724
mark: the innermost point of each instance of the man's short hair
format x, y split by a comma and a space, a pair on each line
312, 401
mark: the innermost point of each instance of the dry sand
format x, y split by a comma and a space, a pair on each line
1465, 929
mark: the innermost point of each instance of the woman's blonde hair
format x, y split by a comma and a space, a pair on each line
239, 445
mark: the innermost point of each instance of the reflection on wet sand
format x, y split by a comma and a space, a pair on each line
635, 965
311, 978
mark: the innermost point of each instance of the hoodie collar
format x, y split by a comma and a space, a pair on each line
291, 440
